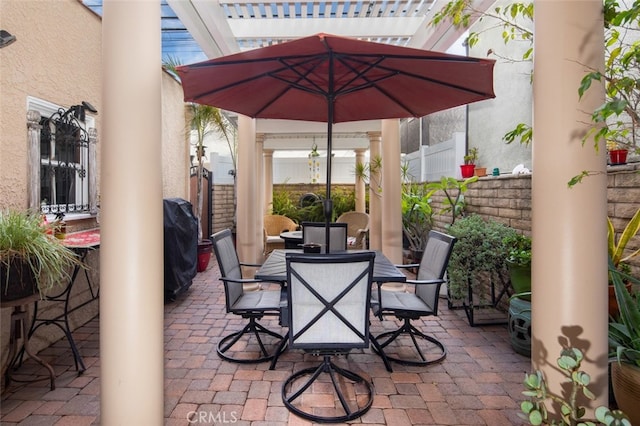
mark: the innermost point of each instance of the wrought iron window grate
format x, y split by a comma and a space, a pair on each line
64, 162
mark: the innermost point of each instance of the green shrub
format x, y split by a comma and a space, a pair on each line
478, 257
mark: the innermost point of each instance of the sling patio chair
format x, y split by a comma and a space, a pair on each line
420, 299
252, 305
329, 305
315, 233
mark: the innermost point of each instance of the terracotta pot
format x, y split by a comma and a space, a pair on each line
618, 156
467, 170
480, 171
625, 378
205, 247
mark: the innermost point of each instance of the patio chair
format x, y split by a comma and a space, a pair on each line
315, 232
420, 299
329, 315
274, 225
249, 305
357, 229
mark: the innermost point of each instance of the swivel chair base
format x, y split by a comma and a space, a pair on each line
252, 328
386, 338
361, 405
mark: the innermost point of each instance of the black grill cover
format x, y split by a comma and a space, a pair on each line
180, 246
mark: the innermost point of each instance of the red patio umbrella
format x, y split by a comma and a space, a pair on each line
336, 79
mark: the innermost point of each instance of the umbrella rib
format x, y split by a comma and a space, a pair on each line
293, 84
272, 74
420, 77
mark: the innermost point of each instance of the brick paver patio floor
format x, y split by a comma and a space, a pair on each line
479, 382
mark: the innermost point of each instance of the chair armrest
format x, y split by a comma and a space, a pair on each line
423, 282
407, 265
242, 280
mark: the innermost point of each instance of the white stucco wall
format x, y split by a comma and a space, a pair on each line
490, 120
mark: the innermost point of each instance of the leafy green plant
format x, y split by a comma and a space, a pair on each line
23, 238
417, 214
571, 412
453, 190
624, 331
519, 249
472, 156
479, 256
616, 248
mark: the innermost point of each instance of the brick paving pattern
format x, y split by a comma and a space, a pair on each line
479, 383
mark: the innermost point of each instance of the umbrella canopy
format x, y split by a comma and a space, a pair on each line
336, 79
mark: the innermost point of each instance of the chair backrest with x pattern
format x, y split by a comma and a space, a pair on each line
329, 300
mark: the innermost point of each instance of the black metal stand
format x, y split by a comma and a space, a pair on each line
62, 321
19, 330
470, 307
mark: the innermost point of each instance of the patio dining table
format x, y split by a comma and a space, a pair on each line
274, 269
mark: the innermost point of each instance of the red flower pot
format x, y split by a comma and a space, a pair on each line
205, 247
618, 156
467, 170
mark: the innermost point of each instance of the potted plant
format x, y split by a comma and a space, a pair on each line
417, 217
519, 262
32, 260
624, 344
467, 169
570, 406
616, 251
477, 269
617, 153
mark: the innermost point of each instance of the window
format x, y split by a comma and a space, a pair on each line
64, 181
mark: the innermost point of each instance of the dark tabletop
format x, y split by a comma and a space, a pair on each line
275, 268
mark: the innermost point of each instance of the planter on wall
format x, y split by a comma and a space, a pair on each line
618, 156
480, 171
467, 170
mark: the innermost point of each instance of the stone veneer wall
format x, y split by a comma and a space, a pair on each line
506, 198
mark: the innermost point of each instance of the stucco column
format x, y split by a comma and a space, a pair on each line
247, 194
260, 180
375, 200
391, 194
131, 250
360, 194
268, 181
569, 291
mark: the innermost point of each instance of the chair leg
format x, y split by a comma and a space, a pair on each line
383, 340
252, 328
280, 349
333, 371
